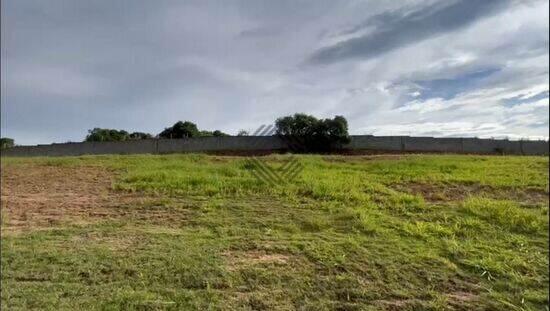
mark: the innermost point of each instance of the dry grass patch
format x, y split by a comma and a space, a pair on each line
459, 298
237, 260
435, 193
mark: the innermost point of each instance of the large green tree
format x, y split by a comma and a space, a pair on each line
309, 134
181, 130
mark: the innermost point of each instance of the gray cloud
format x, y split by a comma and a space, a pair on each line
71, 65
395, 29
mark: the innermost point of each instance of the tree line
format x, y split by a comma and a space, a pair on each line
310, 133
180, 129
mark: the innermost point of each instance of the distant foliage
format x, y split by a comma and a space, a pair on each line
6, 142
181, 130
206, 134
218, 133
99, 134
188, 130
315, 135
140, 135
305, 131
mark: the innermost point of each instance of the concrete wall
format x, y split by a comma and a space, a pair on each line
267, 143
364, 142
430, 144
488, 146
231, 143
534, 147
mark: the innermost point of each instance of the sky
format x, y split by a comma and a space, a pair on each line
443, 68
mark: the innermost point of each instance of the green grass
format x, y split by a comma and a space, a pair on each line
346, 234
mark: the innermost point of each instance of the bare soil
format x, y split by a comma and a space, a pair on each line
435, 193
44, 197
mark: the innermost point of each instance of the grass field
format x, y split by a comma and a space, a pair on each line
415, 232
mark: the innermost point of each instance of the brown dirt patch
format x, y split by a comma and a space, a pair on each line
362, 157
240, 259
435, 193
461, 297
44, 197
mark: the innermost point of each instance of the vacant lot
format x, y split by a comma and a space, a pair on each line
418, 232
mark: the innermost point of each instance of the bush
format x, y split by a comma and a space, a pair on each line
308, 134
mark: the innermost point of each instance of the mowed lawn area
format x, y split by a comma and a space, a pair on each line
200, 232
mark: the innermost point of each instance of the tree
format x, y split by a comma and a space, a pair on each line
140, 135
307, 133
300, 125
206, 134
243, 133
181, 130
6, 143
218, 133
99, 134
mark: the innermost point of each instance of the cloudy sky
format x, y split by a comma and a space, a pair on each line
415, 67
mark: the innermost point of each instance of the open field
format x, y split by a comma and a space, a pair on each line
387, 232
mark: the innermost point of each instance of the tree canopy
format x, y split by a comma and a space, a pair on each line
309, 134
188, 130
99, 134
181, 130
140, 135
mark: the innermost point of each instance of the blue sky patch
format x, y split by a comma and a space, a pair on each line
449, 88
517, 100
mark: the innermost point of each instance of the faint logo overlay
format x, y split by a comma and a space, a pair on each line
266, 172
